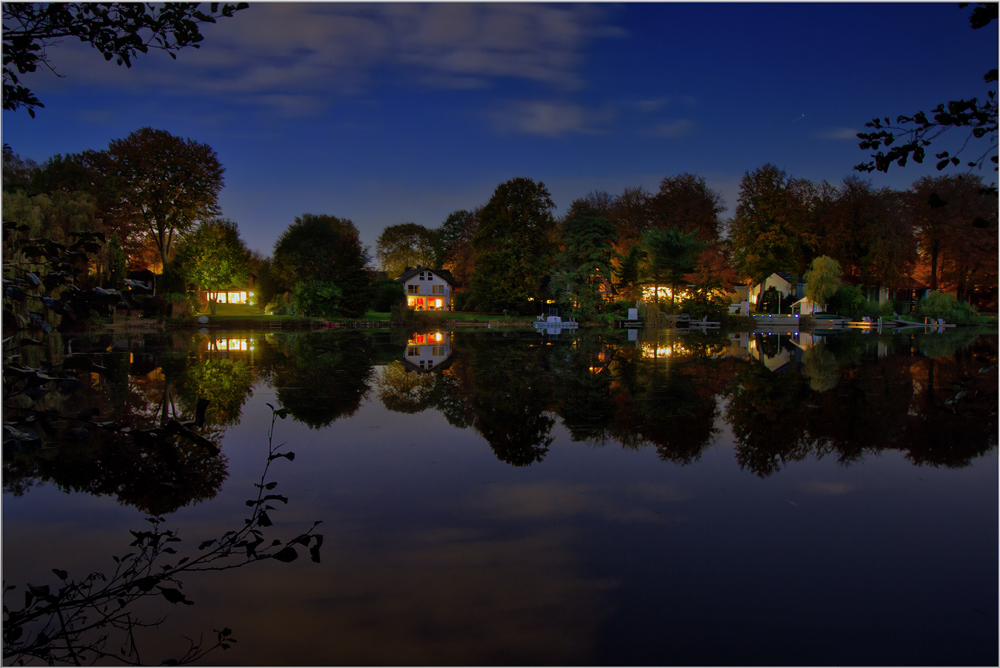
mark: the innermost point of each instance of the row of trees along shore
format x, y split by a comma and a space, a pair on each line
155, 198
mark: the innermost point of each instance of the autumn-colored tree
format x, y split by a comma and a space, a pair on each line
630, 213
514, 246
866, 230
454, 249
404, 245
955, 220
172, 183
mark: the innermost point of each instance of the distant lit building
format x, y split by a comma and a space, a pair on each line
427, 289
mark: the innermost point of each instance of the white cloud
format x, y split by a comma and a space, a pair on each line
550, 119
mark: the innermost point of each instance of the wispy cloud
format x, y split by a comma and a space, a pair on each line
550, 119
314, 49
839, 134
674, 129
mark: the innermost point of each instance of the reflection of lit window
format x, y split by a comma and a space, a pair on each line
412, 351
418, 338
438, 351
438, 337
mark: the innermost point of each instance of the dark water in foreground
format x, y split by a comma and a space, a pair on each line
492, 498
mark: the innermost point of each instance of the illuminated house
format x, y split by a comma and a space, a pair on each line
790, 287
242, 294
427, 289
425, 352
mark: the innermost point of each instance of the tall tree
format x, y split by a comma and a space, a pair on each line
453, 243
118, 30
172, 183
631, 214
404, 245
670, 255
323, 248
585, 263
769, 232
514, 246
955, 222
214, 257
685, 202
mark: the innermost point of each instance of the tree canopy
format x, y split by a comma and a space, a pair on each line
514, 245
685, 202
214, 256
327, 249
769, 229
405, 245
585, 263
170, 182
118, 30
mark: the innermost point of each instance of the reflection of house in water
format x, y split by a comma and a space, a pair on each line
767, 349
425, 352
221, 346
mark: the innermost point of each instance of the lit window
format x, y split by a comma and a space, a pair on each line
413, 289
437, 289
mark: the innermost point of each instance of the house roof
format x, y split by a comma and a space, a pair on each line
441, 273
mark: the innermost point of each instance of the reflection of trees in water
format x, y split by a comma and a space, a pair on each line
322, 377
406, 391
511, 398
584, 395
93, 619
148, 395
954, 417
767, 413
821, 367
938, 411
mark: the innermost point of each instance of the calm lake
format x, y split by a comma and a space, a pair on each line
515, 497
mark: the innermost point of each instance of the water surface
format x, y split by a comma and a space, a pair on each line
519, 498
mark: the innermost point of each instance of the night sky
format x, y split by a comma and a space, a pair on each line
392, 113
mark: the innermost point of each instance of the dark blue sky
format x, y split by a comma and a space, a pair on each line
391, 113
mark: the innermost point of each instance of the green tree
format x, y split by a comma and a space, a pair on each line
318, 299
912, 135
586, 260
670, 255
514, 246
117, 30
405, 245
453, 244
172, 183
768, 232
822, 280
327, 249
214, 257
